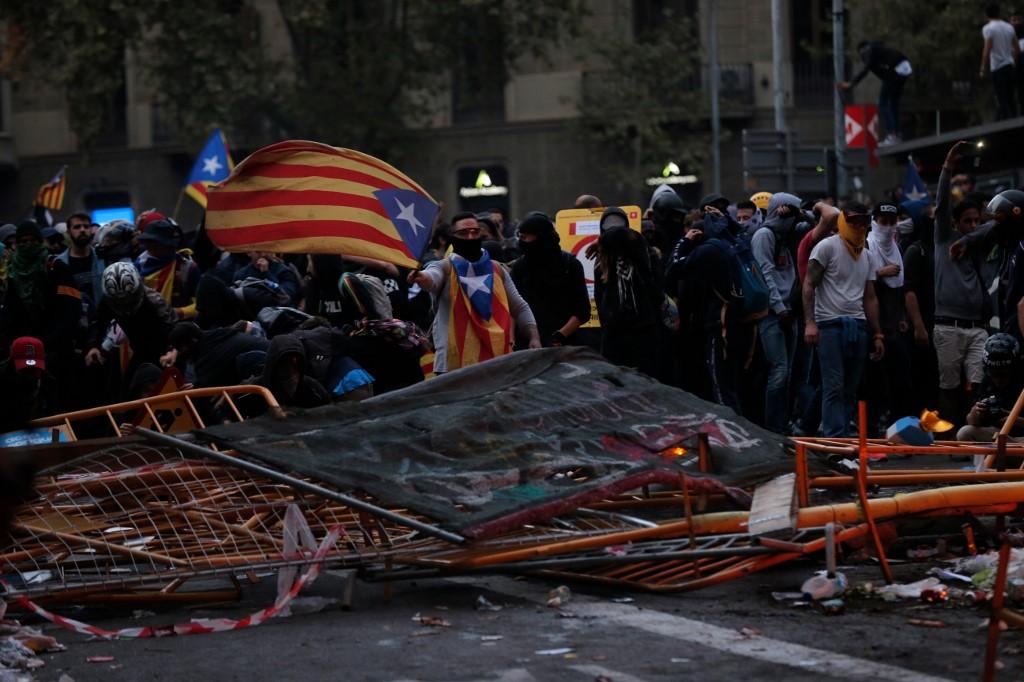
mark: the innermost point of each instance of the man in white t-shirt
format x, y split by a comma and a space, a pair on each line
839, 306
1000, 53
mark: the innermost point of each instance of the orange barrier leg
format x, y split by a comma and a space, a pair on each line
862, 490
995, 615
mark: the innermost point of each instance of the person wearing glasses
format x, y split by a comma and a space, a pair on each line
839, 306
479, 288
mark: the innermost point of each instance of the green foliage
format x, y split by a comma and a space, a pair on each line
647, 106
355, 73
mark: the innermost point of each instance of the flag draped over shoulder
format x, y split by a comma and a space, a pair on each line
51, 195
307, 197
213, 165
480, 324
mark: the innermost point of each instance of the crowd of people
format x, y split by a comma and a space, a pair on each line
786, 309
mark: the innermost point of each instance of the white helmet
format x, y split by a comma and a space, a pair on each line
122, 285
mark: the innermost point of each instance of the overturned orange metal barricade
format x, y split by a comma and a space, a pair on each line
175, 412
146, 519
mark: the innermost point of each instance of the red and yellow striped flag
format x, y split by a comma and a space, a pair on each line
51, 195
307, 197
480, 324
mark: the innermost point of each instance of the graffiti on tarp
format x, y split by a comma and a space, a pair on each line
521, 434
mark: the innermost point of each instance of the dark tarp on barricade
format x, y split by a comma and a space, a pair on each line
485, 448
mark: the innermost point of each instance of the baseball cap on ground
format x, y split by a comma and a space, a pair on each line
27, 351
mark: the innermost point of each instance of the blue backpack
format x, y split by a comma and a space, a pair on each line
748, 284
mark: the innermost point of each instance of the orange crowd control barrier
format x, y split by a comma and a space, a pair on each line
166, 413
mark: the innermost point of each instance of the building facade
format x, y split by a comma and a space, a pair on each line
515, 147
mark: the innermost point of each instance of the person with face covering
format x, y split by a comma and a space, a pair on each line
889, 381
42, 300
142, 314
116, 241
489, 300
551, 281
30, 392
771, 246
839, 306
628, 292
668, 213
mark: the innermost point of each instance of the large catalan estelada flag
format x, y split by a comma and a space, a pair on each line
51, 195
480, 324
213, 165
307, 197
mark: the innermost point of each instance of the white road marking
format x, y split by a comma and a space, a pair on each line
821, 662
601, 671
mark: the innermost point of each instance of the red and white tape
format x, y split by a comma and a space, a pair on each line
200, 625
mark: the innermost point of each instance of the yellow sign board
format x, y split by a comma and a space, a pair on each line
577, 229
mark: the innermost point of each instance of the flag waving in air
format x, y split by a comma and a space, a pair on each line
213, 165
51, 195
307, 197
914, 188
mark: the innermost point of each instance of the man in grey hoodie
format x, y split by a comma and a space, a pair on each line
778, 329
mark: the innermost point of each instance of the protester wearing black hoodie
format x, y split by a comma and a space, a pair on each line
551, 281
284, 373
628, 291
700, 274
213, 352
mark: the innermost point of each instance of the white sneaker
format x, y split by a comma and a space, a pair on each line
890, 140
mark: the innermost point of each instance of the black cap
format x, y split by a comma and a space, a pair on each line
886, 208
161, 232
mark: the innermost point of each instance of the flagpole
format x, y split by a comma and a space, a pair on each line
177, 205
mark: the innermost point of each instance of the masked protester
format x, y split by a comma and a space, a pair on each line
475, 295
999, 390
29, 390
115, 241
668, 214
551, 281
167, 271
142, 314
772, 246
42, 300
748, 217
840, 306
628, 291
888, 382
709, 304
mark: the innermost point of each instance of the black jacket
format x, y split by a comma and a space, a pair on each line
555, 291
147, 329
215, 357
879, 60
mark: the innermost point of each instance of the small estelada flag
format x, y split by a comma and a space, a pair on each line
213, 165
51, 195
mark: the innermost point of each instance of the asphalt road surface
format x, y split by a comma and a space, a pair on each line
733, 631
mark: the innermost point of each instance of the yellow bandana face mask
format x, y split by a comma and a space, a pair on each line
852, 236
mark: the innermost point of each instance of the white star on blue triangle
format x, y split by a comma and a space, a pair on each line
412, 214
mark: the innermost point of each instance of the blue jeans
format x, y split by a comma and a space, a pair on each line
889, 103
778, 340
842, 351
